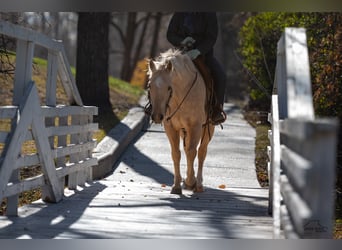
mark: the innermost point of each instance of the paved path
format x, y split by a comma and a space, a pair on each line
135, 200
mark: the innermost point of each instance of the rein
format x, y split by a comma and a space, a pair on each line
180, 104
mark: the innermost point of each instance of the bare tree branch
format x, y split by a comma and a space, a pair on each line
253, 77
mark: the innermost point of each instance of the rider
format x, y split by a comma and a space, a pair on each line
200, 30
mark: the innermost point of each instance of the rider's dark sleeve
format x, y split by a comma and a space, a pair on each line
173, 32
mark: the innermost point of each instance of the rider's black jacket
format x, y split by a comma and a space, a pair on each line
199, 25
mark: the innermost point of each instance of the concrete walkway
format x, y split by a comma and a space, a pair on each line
134, 201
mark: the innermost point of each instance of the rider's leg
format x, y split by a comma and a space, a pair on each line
219, 76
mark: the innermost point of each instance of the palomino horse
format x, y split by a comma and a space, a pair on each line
178, 98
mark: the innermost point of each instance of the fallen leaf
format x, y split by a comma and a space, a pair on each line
222, 186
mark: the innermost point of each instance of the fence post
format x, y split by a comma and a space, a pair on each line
23, 75
303, 149
321, 150
298, 81
23, 69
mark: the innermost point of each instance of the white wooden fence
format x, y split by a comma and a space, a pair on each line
303, 148
62, 135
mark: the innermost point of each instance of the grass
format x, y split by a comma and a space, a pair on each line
123, 96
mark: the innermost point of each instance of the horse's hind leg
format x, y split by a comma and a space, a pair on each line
176, 155
207, 134
191, 141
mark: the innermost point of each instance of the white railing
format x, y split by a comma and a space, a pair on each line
303, 149
61, 135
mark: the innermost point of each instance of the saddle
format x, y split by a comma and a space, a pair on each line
211, 101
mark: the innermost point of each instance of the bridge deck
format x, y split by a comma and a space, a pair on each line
135, 201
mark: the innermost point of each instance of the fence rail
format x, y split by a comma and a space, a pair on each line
61, 136
303, 149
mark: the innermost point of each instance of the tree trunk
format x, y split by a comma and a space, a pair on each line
92, 59
129, 41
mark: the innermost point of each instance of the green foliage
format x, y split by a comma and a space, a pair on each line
258, 46
325, 63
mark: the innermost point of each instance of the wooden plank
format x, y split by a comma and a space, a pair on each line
51, 81
70, 168
25, 185
269, 152
27, 160
167, 215
298, 210
280, 86
8, 112
51, 85
50, 123
287, 225
67, 79
269, 118
62, 110
73, 149
13, 200
23, 69
274, 189
34, 182
89, 135
297, 168
74, 139
304, 129
299, 94
13, 147
269, 135
83, 174
3, 136
321, 150
52, 190
71, 129
62, 140
22, 33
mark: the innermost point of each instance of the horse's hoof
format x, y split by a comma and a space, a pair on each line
189, 187
199, 189
176, 190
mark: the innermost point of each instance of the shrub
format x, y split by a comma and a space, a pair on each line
258, 46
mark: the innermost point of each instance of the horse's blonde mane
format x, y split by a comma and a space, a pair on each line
181, 63
168, 56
